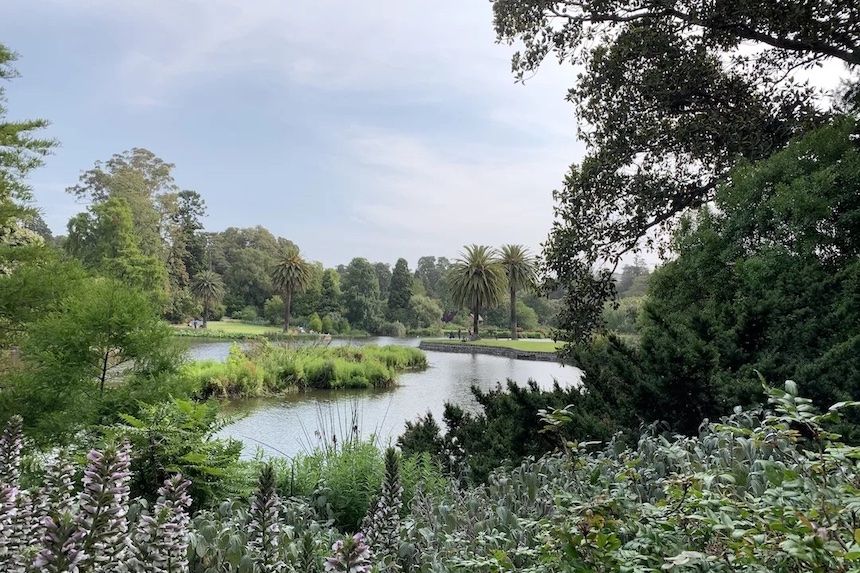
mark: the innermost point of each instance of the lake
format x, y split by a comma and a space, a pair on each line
287, 425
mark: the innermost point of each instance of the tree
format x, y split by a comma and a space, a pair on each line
361, 295
209, 289
383, 273
764, 284
424, 312
330, 295
315, 323
671, 95
292, 274
521, 273
22, 152
400, 292
477, 280
245, 258
101, 328
104, 240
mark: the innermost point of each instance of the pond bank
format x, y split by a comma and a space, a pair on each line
471, 348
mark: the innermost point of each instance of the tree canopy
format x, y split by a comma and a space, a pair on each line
669, 96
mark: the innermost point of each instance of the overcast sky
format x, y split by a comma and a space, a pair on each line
380, 129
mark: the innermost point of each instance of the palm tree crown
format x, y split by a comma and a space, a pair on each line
477, 281
208, 287
521, 271
292, 274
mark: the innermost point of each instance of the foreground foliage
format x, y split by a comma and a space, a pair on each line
758, 491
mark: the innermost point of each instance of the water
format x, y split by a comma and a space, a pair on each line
286, 425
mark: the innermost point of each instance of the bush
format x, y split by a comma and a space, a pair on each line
273, 310
343, 479
394, 329
178, 437
247, 314
315, 323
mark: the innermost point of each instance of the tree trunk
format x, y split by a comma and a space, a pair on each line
205, 311
288, 299
104, 374
475, 318
513, 313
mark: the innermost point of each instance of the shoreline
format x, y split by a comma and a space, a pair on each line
470, 348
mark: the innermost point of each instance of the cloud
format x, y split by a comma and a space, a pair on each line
436, 195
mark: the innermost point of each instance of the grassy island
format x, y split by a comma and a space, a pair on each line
269, 369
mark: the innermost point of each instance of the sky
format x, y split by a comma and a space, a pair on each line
382, 129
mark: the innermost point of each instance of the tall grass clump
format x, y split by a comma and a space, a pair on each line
270, 369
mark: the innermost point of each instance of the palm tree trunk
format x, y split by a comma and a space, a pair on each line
513, 313
205, 311
475, 320
288, 299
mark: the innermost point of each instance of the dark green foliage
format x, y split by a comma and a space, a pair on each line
400, 292
668, 102
177, 436
766, 283
508, 427
361, 295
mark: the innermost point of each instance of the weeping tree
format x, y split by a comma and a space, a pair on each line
477, 280
209, 288
292, 275
521, 271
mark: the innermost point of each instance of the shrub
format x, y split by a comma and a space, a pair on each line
246, 314
394, 329
178, 437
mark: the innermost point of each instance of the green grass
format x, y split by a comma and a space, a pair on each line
523, 345
269, 369
231, 329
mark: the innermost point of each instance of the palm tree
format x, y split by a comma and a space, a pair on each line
209, 288
521, 272
477, 280
292, 274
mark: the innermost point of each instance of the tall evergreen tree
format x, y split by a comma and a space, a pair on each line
400, 292
20, 153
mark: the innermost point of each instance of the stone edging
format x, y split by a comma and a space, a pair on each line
466, 348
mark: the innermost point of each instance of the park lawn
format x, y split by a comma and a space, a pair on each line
229, 326
525, 345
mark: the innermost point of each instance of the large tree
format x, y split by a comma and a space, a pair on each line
477, 281
330, 296
21, 151
361, 295
291, 275
670, 94
521, 273
400, 292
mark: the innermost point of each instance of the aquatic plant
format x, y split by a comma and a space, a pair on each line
269, 369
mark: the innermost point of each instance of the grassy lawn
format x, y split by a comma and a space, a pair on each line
239, 327
231, 327
526, 345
